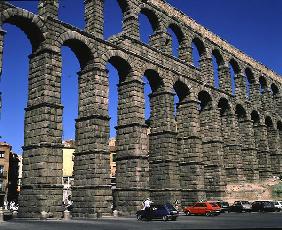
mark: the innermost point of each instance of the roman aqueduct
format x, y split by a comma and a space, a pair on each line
215, 138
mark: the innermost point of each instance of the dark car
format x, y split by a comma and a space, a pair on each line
263, 206
224, 206
165, 212
241, 206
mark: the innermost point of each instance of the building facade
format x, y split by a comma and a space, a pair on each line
9, 169
214, 137
68, 156
5, 150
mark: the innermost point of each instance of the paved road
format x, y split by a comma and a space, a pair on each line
224, 221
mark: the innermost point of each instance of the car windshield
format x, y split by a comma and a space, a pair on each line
214, 204
245, 202
170, 207
224, 203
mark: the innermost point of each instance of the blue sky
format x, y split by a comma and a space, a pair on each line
254, 26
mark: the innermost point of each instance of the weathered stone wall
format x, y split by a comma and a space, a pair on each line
215, 138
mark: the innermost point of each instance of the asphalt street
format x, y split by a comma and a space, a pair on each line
224, 221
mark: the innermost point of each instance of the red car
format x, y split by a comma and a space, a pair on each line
202, 208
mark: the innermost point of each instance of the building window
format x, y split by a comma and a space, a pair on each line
2, 154
114, 157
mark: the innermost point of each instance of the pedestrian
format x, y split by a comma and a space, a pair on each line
69, 203
147, 208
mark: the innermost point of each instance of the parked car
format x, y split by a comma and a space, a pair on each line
241, 206
224, 206
165, 212
263, 206
202, 208
278, 205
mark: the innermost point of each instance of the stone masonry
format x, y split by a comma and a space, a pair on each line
214, 138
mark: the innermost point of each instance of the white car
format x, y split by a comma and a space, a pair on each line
278, 205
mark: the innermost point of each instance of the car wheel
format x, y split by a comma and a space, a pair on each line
165, 218
187, 213
139, 217
173, 218
208, 214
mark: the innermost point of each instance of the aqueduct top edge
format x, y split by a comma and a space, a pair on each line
173, 12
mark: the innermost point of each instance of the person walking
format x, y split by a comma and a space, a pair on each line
69, 203
147, 208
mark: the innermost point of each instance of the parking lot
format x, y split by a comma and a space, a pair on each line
223, 221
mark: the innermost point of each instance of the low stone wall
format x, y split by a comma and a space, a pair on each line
252, 191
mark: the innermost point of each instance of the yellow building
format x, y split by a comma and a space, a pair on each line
68, 157
68, 151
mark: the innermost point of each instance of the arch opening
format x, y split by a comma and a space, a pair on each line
118, 71
15, 73
217, 61
263, 85
205, 101
255, 117
32, 31
240, 112
82, 51
224, 107
69, 92
279, 126
250, 80
268, 122
198, 50
234, 70
177, 38
274, 89
152, 84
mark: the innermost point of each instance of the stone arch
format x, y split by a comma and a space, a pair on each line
255, 117
236, 86
218, 57
224, 106
155, 81
31, 24
263, 84
274, 89
218, 62
78, 44
250, 81
152, 16
250, 75
205, 100
202, 88
268, 121
181, 90
279, 126
182, 79
146, 66
177, 40
177, 30
125, 7
199, 45
240, 112
235, 66
116, 57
